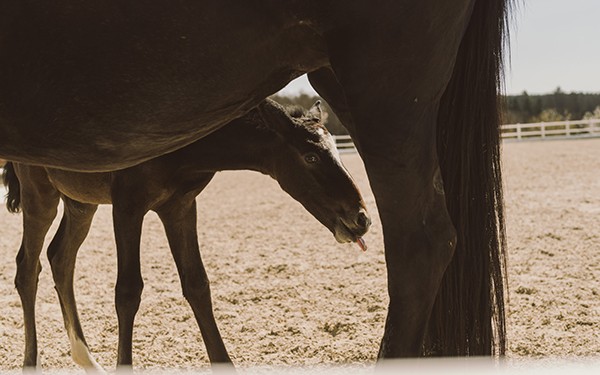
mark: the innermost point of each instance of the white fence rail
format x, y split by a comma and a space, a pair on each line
552, 130
520, 132
344, 143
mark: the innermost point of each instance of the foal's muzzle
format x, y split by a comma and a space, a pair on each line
350, 228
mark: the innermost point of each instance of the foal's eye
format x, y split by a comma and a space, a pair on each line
311, 158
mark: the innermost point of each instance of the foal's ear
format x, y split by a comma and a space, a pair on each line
316, 110
274, 116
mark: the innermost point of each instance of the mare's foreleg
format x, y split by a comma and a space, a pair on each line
39, 201
62, 254
179, 220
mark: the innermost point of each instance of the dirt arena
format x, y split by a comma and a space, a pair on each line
286, 293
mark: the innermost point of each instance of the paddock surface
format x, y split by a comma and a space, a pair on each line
286, 294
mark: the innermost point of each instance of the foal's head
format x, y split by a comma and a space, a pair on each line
307, 165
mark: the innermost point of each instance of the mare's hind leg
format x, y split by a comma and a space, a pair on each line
179, 219
62, 254
39, 201
388, 95
419, 237
419, 240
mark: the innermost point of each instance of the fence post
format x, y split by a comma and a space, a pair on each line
568, 128
543, 129
519, 132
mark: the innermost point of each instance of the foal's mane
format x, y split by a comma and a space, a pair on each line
306, 125
295, 110
303, 122
299, 112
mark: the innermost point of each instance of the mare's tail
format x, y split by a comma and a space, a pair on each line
11, 182
468, 317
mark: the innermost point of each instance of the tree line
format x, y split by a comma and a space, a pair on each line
523, 108
557, 106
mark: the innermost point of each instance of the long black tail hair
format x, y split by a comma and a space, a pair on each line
12, 184
468, 317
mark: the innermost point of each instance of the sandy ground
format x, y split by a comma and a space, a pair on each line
285, 293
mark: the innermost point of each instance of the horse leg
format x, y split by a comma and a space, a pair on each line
419, 240
62, 254
127, 221
179, 220
324, 81
419, 236
388, 93
39, 201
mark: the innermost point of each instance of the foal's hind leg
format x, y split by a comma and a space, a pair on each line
179, 219
62, 254
39, 201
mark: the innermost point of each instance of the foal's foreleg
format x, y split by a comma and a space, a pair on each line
39, 201
62, 254
180, 226
127, 220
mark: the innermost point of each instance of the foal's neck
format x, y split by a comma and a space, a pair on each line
241, 144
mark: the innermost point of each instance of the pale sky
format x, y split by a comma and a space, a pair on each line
553, 43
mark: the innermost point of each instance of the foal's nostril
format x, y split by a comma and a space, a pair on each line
363, 220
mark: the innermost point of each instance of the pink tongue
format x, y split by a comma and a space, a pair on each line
362, 244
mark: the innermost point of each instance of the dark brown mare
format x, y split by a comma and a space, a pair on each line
294, 148
102, 85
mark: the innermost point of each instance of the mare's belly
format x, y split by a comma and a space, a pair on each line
100, 88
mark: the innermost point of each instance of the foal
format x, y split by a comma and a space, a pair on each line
292, 146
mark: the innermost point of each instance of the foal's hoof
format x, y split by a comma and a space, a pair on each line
223, 368
32, 370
